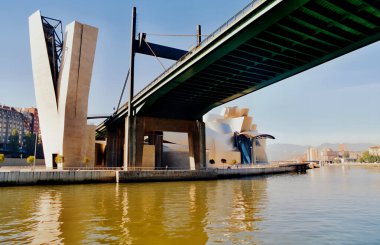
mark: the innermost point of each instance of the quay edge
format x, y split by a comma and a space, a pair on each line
18, 178
14, 178
209, 174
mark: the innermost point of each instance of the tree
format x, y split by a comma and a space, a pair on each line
366, 157
58, 159
29, 143
14, 143
372, 159
30, 159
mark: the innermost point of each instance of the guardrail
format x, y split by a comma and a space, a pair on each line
213, 169
92, 168
247, 9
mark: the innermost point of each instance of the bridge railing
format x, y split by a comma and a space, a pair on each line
92, 168
247, 9
239, 15
219, 169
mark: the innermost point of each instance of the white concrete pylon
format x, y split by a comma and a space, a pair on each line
63, 119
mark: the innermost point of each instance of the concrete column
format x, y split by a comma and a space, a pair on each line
202, 144
129, 140
156, 138
139, 126
111, 142
197, 145
192, 150
139, 141
115, 145
126, 136
89, 148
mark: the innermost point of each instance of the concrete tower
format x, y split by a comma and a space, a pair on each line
62, 90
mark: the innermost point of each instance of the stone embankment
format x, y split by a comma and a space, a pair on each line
209, 174
45, 177
56, 177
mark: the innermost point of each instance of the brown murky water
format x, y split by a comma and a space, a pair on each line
332, 205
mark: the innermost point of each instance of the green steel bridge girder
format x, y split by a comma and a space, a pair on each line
277, 38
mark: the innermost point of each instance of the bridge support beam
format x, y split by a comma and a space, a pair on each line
153, 128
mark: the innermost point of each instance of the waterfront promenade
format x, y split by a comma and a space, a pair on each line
38, 176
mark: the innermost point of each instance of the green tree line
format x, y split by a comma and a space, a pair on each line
366, 157
27, 145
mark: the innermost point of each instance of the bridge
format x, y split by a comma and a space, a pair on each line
266, 42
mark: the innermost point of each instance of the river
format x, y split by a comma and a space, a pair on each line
330, 205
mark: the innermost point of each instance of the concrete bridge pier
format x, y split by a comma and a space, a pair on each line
156, 138
152, 127
114, 152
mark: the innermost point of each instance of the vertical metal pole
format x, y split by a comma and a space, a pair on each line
132, 62
130, 147
199, 35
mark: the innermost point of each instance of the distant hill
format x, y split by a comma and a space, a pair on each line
278, 152
282, 152
349, 146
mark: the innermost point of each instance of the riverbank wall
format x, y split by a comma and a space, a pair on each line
46, 177
209, 174
12, 178
11, 162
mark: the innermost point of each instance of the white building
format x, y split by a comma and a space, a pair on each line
312, 154
374, 150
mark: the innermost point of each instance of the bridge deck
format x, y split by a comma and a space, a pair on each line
266, 42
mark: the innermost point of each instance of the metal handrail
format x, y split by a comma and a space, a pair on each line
217, 169
92, 168
247, 9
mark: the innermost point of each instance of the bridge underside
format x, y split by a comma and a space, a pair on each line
266, 43
257, 51
153, 128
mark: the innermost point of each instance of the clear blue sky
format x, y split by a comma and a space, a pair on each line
335, 102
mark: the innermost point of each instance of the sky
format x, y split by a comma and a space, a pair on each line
335, 102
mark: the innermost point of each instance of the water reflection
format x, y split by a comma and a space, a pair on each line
234, 208
45, 219
321, 205
30, 215
147, 213
124, 235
